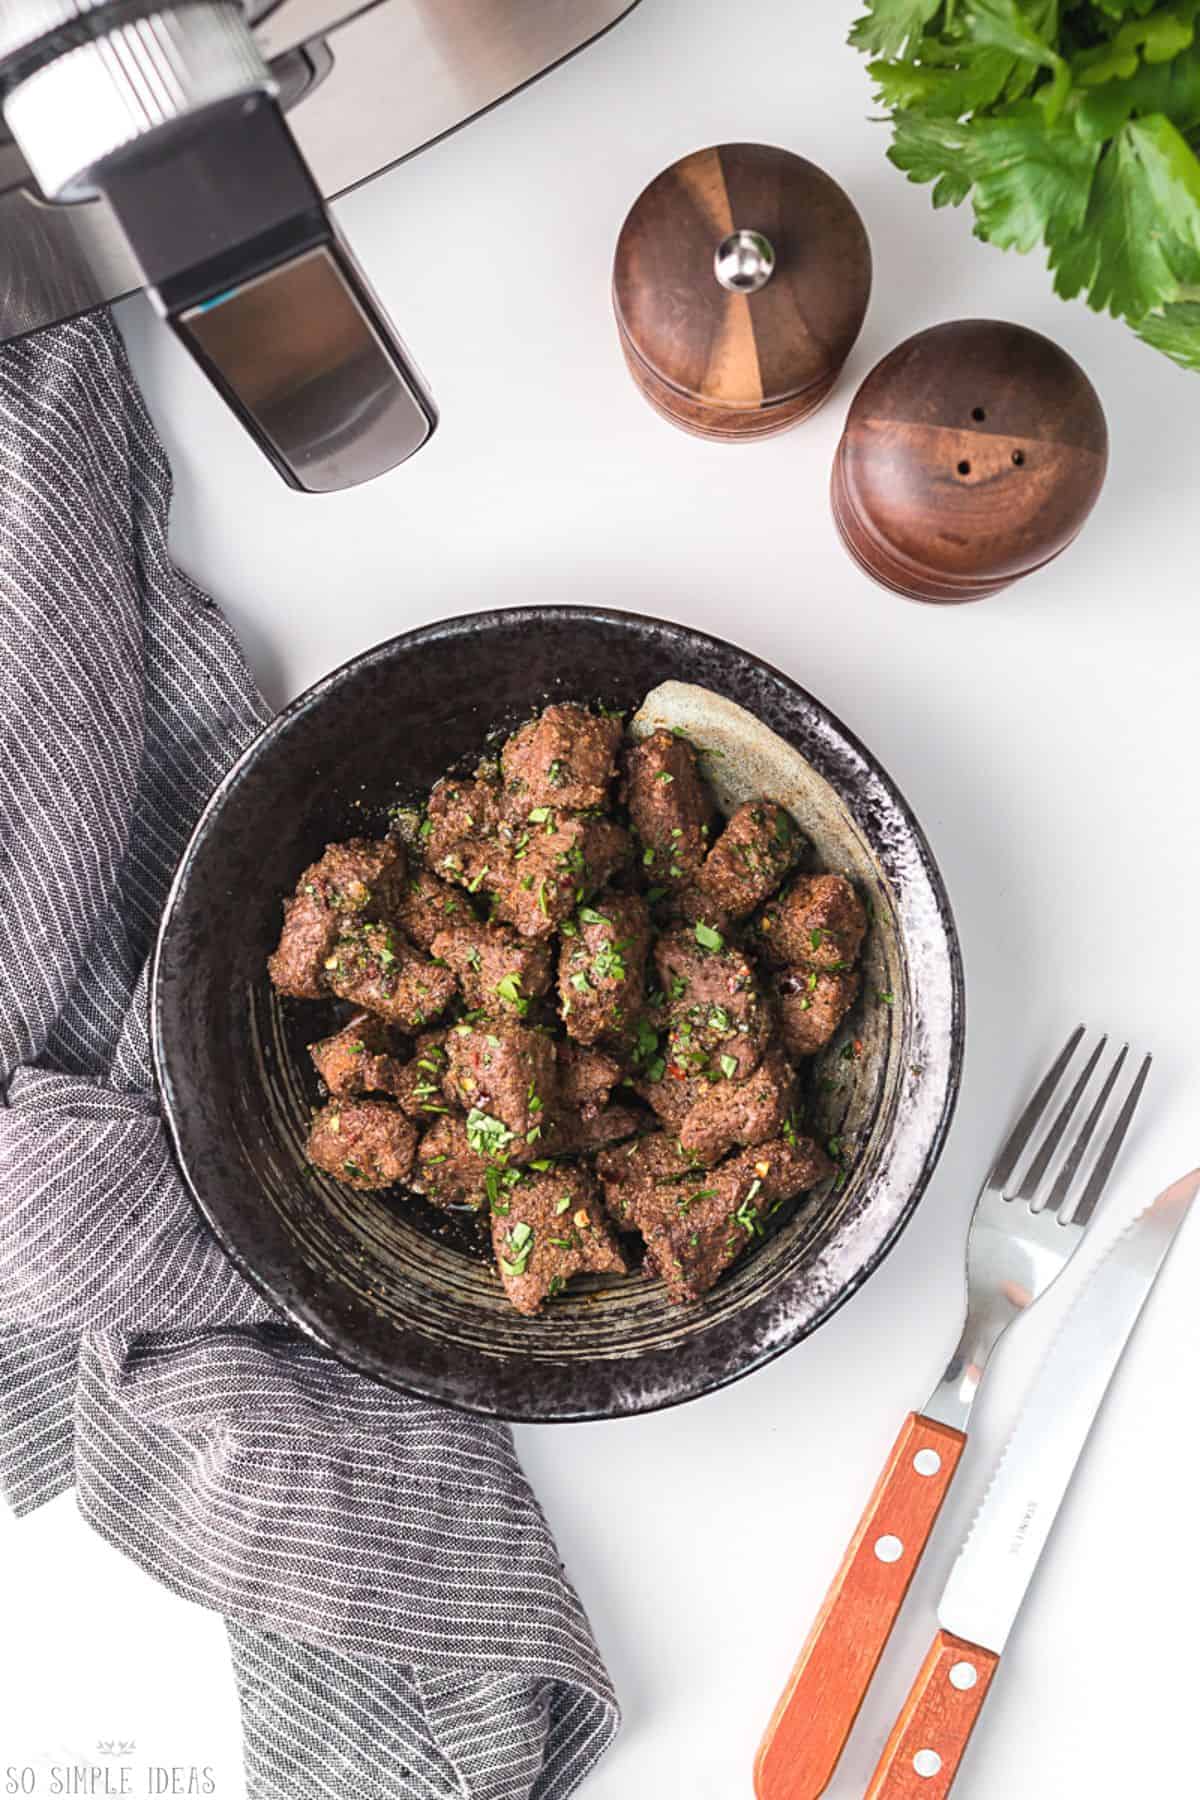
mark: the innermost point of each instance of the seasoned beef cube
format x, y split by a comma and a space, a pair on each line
459, 809
562, 861
496, 967
750, 858
566, 758
696, 1228
637, 1168
360, 879
586, 1077
688, 904
811, 1006
602, 968
428, 906
378, 969
449, 1171
671, 1094
719, 1024
506, 1074
365, 1143
670, 804
420, 1085
554, 1228
741, 1112
818, 923
579, 1134
359, 1059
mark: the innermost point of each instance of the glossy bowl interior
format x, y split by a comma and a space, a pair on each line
389, 1286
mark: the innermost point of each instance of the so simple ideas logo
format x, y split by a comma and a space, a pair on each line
113, 1773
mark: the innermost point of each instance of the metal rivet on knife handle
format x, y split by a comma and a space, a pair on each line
926, 1747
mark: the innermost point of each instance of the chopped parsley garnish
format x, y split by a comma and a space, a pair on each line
519, 1244
509, 989
589, 916
708, 938
581, 983
816, 937
487, 1136
887, 999
719, 1019
664, 775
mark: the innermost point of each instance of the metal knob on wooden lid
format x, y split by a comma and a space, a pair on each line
972, 455
740, 285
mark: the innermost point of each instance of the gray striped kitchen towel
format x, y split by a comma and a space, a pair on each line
399, 1619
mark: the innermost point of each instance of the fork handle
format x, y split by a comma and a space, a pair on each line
816, 1712
922, 1756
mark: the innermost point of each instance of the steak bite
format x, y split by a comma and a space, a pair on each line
695, 1228
360, 879
811, 1006
496, 967
554, 1228
741, 1112
566, 758
427, 906
602, 968
750, 858
669, 802
364, 1143
378, 969
459, 809
819, 923
419, 1086
449, 1171
586, 1077
634, 1170
718, 1021
555, 863
359, 1059
505, 1075
580, 1133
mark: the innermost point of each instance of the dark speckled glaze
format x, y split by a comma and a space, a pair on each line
364, 1274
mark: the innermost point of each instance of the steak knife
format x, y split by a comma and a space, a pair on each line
995, 1566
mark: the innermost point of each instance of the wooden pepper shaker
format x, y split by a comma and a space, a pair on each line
972, 455
741, 280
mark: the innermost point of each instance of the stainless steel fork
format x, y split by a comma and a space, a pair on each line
1031, 1214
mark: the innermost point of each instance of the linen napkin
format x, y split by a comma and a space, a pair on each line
398, 1616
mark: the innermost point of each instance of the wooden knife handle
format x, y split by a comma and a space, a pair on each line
817, 1709
922, 1756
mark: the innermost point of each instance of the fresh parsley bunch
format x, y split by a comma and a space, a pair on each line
1069, 123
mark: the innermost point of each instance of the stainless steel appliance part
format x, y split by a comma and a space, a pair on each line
145, 143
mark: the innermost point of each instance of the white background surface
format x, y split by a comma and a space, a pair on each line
1047, 740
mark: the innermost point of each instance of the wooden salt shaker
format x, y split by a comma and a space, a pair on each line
972, 456
740, 284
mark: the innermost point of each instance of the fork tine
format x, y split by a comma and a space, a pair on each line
1054, 1137
1021, 1132
1070, 1168
1108, 1156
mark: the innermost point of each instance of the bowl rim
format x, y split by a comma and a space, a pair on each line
363, 1360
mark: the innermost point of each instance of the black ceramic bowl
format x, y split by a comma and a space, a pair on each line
379, 1279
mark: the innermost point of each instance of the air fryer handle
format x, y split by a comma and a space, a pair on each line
243, 261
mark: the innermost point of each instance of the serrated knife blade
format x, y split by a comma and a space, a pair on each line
996, 1564
989, 1580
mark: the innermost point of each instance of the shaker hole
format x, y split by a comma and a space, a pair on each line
979, 415
1019, 458
964, 468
